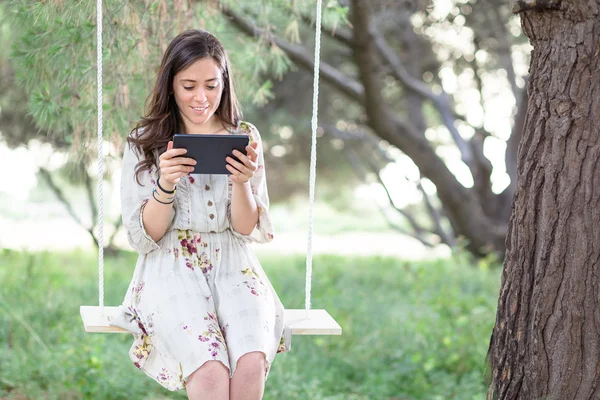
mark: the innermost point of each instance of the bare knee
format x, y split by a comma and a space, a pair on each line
211, 378
251, 366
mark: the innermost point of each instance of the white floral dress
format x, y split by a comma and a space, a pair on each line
199, 293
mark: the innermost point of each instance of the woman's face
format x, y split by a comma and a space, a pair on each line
198, 90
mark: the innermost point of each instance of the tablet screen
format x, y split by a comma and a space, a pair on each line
210, 151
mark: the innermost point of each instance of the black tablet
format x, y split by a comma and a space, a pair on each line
210, 151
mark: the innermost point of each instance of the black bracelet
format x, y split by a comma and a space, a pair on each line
162, 189
161, 202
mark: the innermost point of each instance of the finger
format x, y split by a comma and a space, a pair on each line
170, 145
241, 156
171, 153
174, 173
176, 165
180, 161
245, 169
237, 175
248, 160
176, 152
252, 154
179, 169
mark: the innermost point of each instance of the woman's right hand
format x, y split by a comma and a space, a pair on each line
172, 167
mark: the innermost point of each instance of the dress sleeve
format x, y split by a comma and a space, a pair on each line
263, 232
133, 200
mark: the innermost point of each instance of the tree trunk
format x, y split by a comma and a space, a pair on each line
546, 342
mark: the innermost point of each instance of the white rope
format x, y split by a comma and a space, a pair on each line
313, 157
100, 157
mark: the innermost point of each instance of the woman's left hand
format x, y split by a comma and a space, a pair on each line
242, 172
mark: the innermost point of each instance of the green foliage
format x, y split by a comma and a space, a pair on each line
54, 59
411, 330
54, 55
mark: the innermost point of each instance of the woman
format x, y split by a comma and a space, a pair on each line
203, 313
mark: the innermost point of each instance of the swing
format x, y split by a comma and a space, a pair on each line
302, 321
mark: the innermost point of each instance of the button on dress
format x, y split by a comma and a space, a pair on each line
199, 293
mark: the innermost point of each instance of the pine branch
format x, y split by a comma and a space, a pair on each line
343, 36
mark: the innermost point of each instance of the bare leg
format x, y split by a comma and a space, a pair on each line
248, 381
210, 381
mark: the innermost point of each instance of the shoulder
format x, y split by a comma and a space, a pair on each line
246, 128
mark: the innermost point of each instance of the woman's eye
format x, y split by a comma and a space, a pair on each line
210, 87
188, 87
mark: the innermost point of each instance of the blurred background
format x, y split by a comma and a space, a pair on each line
420, 111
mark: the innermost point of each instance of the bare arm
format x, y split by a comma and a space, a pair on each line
157, 216
244, 211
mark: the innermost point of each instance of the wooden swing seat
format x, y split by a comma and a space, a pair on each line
318, 322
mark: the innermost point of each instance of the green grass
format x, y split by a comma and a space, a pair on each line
411, 330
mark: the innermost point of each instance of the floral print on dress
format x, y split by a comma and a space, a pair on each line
283, 347
254, 284
170, 381
143, 344
246, 128
190, 245
215, 335
142, 350
137, 292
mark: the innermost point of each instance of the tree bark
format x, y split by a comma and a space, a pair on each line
546, 342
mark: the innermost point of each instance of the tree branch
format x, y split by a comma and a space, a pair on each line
504, 52
441, 102
483, 178
445, 237
300, 56
409, 218
436, 216
358, 136
90, 195
45, 174
117, 226
418, 230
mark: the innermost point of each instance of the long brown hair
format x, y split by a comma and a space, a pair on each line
153, 132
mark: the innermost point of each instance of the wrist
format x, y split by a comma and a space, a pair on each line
165, 186
161, 197
241, 184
